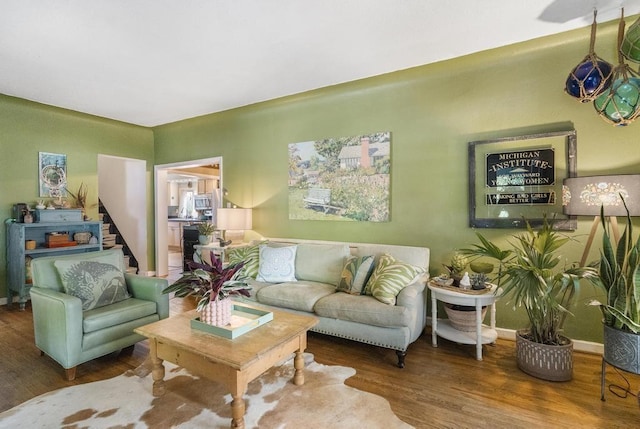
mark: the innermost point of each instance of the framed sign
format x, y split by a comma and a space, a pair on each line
513, 179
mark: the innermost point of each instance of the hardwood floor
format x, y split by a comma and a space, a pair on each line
442, 387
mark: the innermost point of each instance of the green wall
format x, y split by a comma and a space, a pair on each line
27, 128
432, 112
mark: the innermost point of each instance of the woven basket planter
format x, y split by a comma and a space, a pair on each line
547, 362
463, 320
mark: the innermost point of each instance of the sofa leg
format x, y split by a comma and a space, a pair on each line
401, 356
71, 373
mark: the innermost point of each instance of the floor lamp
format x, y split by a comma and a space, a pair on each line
585, 196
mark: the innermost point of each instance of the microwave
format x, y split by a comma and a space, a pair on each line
202, 202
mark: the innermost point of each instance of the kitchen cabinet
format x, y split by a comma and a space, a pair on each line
206, 186
174, 238
19, 257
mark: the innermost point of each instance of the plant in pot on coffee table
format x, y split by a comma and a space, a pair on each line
212, 285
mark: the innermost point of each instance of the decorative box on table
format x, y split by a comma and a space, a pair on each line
58, 239
243, 320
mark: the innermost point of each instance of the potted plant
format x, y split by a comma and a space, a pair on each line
211, 285
538, 279
456, 267
80, 197
205, 231
463, 317
619, 275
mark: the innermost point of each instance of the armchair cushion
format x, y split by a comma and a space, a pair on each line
116, 314
96, 283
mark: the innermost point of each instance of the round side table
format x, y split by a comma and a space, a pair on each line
482, 335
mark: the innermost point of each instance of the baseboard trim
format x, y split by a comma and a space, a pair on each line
578, 345
3, 301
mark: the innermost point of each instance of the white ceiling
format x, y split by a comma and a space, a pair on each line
151, 62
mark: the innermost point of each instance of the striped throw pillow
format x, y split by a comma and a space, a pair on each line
250, 255
389, 277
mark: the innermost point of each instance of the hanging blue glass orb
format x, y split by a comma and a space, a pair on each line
589, 79
621, 104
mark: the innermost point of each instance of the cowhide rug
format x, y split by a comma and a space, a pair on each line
272, 401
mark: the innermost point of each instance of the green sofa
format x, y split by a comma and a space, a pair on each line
71, 335
359, 317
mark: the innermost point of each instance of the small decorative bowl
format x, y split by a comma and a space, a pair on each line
82, 237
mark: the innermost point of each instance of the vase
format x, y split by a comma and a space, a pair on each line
622, 349
217, 313
204, 239
544, 361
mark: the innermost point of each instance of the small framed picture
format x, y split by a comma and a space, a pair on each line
52, 171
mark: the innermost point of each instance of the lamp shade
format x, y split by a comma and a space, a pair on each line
234, 219
583, 196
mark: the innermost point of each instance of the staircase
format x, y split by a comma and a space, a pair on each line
112, 239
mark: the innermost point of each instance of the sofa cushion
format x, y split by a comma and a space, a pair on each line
255, 286
362, 309
389, 277
320, 262
355, 274
277, 264
96, 283
250, 255
301, 295
116, 314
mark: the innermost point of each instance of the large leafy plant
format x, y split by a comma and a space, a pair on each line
537, 278
210, 282
620, 277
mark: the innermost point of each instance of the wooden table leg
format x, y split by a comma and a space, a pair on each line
157, 369
237, 411
298, 364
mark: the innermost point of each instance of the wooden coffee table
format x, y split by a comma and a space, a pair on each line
235, 362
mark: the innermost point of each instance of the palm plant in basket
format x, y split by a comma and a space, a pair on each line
538, 279
210, 283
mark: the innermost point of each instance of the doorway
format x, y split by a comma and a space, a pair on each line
176, 187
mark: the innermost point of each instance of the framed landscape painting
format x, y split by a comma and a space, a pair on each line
341, 179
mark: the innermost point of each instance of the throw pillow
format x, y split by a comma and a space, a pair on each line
96, 283
355, 274
250, 255
277, 264
320, 263
389, 277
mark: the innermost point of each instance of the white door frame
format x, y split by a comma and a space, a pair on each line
161, 203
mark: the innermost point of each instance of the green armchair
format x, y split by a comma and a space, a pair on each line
69, 330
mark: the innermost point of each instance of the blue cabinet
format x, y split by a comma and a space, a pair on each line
19, 257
